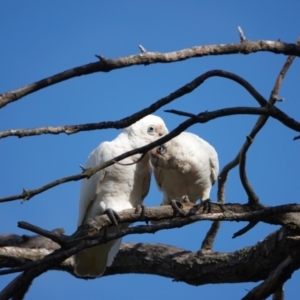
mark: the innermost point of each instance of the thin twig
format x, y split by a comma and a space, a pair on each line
59, 239
296, 138
253, 200
280, 77
241, 34
245, 229
143, 50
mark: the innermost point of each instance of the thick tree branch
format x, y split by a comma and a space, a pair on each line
106, 65
89, 235
250, 264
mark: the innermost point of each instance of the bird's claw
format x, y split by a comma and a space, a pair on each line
141, 208
113, 216
177, 207
185, 199
207, 204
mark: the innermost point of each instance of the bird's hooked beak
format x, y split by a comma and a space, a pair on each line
153, 157
162, 130
153, 152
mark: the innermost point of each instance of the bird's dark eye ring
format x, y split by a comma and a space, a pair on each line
151, 130
161, 150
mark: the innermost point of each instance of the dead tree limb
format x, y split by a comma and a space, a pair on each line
106, 65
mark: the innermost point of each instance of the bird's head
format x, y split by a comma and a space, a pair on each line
146, 130
160, 156
171, 155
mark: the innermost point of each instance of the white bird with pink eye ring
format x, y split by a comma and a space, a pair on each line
186, 166
115, 188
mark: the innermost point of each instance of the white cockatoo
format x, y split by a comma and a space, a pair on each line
186, 166
116, 188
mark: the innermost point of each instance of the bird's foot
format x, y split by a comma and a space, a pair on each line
185, 199
113, 216
203, 252
141, 208
177, 207
207, 205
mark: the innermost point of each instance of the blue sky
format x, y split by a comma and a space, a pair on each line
42, 38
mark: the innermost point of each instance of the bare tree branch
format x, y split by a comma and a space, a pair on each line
208, 242
194, 269
279, 294
277, 255
201, 118
276, 278
252, 197
241, 156
89, 235
261, 120
280, 77
55, 236
30, 242
185, 89
270, 111
296, 138
106, 65
245, 229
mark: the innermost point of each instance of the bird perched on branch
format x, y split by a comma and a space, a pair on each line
115, 188
185, 167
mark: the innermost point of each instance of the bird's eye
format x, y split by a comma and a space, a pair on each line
161, 150
151, 130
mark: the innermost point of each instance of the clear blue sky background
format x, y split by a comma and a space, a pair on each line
42, 38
